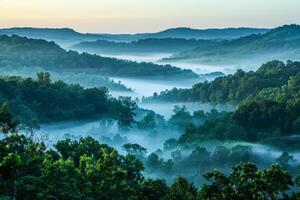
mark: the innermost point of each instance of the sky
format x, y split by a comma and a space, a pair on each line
133, 16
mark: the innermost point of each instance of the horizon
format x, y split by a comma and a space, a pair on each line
170, 28
142, 16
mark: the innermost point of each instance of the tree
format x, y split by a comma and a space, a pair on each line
246, 182
181, 117
125, 112
148, 122
153, 189
9, 170
220, 155
170, 144
153, 161
7, 124
135, 149
199, 156
284, 160
44, 78
181, 189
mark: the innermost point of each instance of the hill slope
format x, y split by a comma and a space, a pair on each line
150, 45
280, 43
233, 88
23, 52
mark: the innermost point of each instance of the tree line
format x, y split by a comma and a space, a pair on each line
233, 88
34, 101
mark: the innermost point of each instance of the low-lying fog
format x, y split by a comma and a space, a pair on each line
146, 87
105, 132
195, 66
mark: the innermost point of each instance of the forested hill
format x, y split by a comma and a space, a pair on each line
41, 100
233, 88
23, 52
209, 34
279, 43
150, 45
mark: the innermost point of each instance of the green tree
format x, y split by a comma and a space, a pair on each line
246, 182
284, 160
135, 149
7, 124
181, 189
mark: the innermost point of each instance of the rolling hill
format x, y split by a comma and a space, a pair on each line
19, 51
150, 45
68, 35
281, 43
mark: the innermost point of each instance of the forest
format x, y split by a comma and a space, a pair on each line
78, 125
19, 52
278, 43
149, 45
34, 101
87, 169
233, 88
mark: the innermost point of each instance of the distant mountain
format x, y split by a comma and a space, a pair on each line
149, 45
67, 35
226, 33
63, 36
16, 51
280, 43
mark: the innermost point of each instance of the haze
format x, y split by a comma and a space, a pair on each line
119, 16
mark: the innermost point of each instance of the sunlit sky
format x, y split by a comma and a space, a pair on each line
131, 16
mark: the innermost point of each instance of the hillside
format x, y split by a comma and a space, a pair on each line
226, 33
23, 52
233, 88
150, 45
280, 43
42, 100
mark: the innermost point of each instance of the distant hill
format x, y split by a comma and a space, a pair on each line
280, 43
226, 33
149, 45
69, 35
19, 51
233, 88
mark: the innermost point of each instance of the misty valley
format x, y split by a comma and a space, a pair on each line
180, 114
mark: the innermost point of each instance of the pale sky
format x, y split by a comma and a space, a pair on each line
131, 16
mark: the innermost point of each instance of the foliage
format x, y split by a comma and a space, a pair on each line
247, 182
23, 52
279, 43
234, 87
40, 100
149, 45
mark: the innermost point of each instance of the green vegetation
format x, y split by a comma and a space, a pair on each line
86, 169
71, 36
23, 52
279, 43
233, 88
84, 79
272, 112
40, 100
149, 45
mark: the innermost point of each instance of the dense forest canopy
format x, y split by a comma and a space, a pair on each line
233, 88
149, 45
133, 153
19, 51
273, 112
41, 100
87, 169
